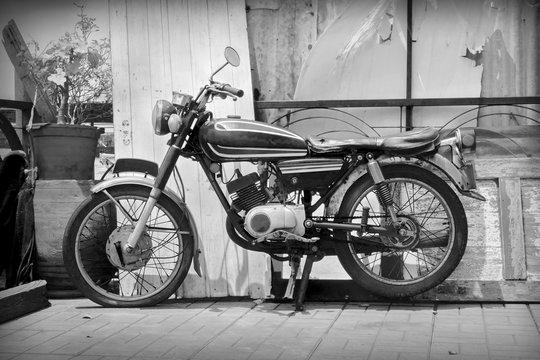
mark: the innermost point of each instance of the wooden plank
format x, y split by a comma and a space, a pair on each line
484, 291
397, 102
180, 52
139, 53
54, 203
238, 259
20, 57
197, 186
186, 39
507, 167
223, 262
22, 300
456, 291
242, 74
258, 269
123, 144
479, 263
512, 236
530, 189
160, 66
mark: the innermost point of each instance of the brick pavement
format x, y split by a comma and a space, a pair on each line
204, 330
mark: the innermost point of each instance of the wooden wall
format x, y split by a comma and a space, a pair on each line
161, 46
504, 242
281, 36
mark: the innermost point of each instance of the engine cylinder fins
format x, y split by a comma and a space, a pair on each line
247, 192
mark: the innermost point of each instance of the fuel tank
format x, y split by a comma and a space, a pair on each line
237, 139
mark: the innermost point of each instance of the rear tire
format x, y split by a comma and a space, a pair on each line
430, 205
90, 265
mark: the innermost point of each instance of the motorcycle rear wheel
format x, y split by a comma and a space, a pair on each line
431, 208
156, 269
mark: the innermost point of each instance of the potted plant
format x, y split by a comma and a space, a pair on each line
75, 73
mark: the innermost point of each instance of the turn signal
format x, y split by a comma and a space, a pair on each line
175, 123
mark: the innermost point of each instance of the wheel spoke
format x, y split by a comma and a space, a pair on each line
418, 204
161, 249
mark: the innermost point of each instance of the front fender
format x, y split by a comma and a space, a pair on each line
149, 182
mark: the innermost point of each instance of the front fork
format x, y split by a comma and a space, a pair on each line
164, 173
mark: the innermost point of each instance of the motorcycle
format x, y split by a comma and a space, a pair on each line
383, 205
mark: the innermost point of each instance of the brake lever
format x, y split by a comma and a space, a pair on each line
223, 94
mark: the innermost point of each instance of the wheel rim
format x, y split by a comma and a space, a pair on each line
414, 200
142, 282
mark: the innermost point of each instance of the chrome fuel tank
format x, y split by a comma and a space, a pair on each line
237, 139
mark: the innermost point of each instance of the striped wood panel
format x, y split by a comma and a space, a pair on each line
158, 46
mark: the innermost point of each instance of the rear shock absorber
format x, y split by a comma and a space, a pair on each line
383, 191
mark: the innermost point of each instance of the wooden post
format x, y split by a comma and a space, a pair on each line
23, 299
512, 235
20, 57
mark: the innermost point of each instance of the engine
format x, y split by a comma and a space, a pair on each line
262, 218
265, 219
247, 192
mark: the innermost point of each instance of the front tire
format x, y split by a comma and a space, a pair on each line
147, 278
429, 205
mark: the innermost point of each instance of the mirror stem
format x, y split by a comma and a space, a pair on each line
218, 70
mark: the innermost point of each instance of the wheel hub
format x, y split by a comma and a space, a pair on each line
133, 260
408, 231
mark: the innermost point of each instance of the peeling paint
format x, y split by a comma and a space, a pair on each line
476, 56
381, 13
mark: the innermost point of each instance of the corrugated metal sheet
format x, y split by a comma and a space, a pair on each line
461, 48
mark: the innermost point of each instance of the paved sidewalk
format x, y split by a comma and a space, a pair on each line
78, 329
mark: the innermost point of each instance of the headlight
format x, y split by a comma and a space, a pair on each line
160, 116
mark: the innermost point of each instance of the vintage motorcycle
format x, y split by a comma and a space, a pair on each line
383, 205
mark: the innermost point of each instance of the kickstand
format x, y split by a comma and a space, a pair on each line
295, 264
301, 296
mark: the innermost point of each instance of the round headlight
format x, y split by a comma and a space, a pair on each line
160, 116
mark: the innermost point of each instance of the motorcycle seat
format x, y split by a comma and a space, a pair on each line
407, 143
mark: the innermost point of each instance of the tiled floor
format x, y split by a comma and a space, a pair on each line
78, 329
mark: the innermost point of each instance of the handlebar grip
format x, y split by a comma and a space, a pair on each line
232, 90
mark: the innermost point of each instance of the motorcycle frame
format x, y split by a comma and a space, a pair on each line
357, 167
181, 145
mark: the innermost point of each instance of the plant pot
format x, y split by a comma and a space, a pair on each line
65, 152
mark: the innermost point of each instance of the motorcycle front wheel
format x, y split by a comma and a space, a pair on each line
97, 232
433, 216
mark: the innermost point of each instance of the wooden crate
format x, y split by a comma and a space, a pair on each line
54, 202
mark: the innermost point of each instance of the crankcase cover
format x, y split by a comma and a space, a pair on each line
238, 139
264, 219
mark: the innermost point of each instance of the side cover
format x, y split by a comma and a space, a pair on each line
236, 139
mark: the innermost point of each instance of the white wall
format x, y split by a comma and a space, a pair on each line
161, 46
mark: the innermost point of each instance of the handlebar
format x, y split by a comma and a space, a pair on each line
232, 90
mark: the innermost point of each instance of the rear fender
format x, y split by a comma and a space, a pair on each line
463, 179
149, 182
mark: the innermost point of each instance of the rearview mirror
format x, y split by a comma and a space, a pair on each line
232, 56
